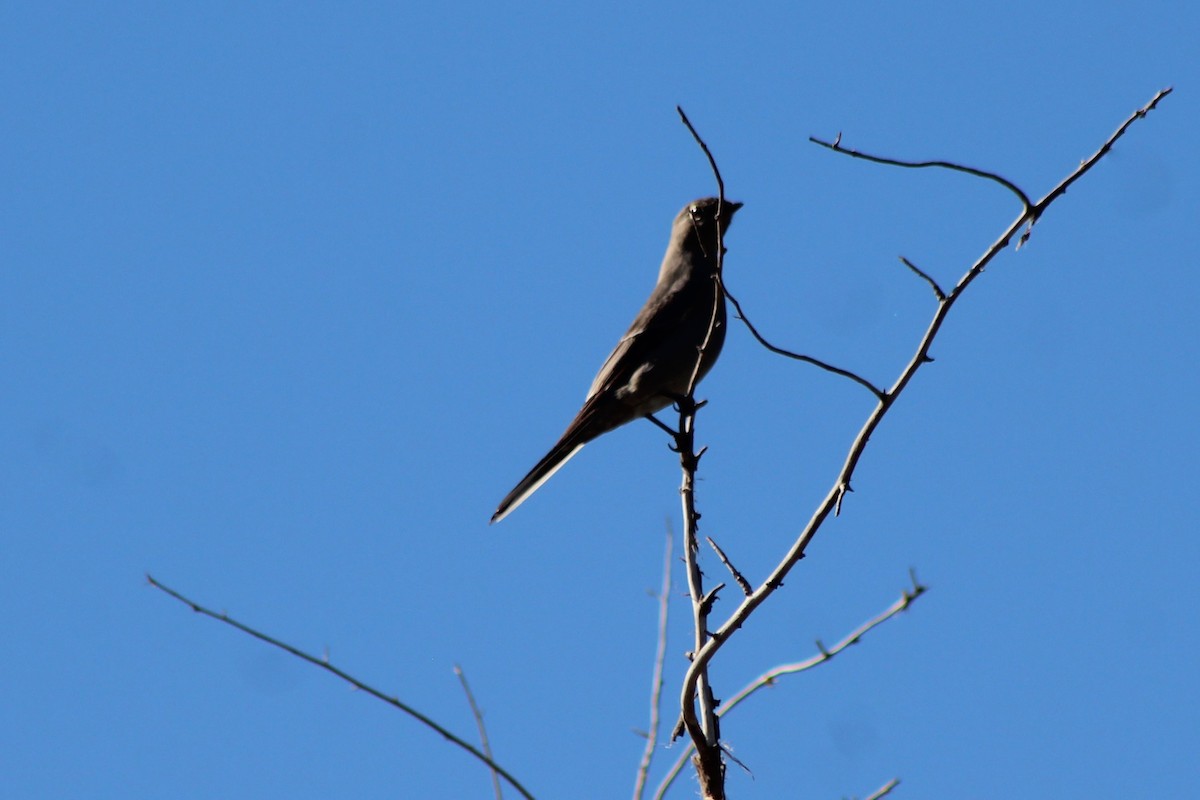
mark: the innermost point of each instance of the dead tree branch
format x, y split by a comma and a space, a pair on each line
1029, 214
884, 790
483, 737
816, 362
348, 678
660, 656
701, 724
771, 676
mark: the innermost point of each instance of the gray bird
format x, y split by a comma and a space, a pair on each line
654, 361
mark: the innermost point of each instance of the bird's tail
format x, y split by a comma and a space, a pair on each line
560, 454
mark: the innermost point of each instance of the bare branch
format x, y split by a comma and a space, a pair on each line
712, 325
348, 678
845, 373
772, 675
742, 583
836, 146
920, 358
1090, 162
660, 655
712, 162
884, 790
825, 654
937, 290
483, 737
702, 727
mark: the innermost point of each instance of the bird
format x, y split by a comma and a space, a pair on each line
653, 363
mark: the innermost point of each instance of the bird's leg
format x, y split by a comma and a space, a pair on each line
671, 431
685, 405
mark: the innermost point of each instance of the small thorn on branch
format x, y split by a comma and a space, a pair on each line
843, 490
707, 603
917, 589
1026, 234
736, 760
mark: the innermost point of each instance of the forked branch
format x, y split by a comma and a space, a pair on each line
823, 655
656, 684
1029, 214
348, 678
700, 723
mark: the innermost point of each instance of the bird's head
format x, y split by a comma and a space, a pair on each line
696, 225
703, 213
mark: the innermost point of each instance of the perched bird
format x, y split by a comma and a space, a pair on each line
653, 363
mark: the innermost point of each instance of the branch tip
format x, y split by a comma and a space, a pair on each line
835, 146
350, 679
884, 790
740, 579
937, 290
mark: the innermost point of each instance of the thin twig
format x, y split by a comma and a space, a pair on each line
348, 678
712, 162
1090, 161
884, 790
742, 583
937, 290
769, 677
483, 737
836, 145
825, 653
773, 581
713, 321
816, 362
660, 656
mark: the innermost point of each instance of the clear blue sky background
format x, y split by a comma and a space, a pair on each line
291, 296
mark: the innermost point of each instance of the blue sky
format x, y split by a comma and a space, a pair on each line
292, 296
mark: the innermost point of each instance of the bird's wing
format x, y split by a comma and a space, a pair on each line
653, 335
